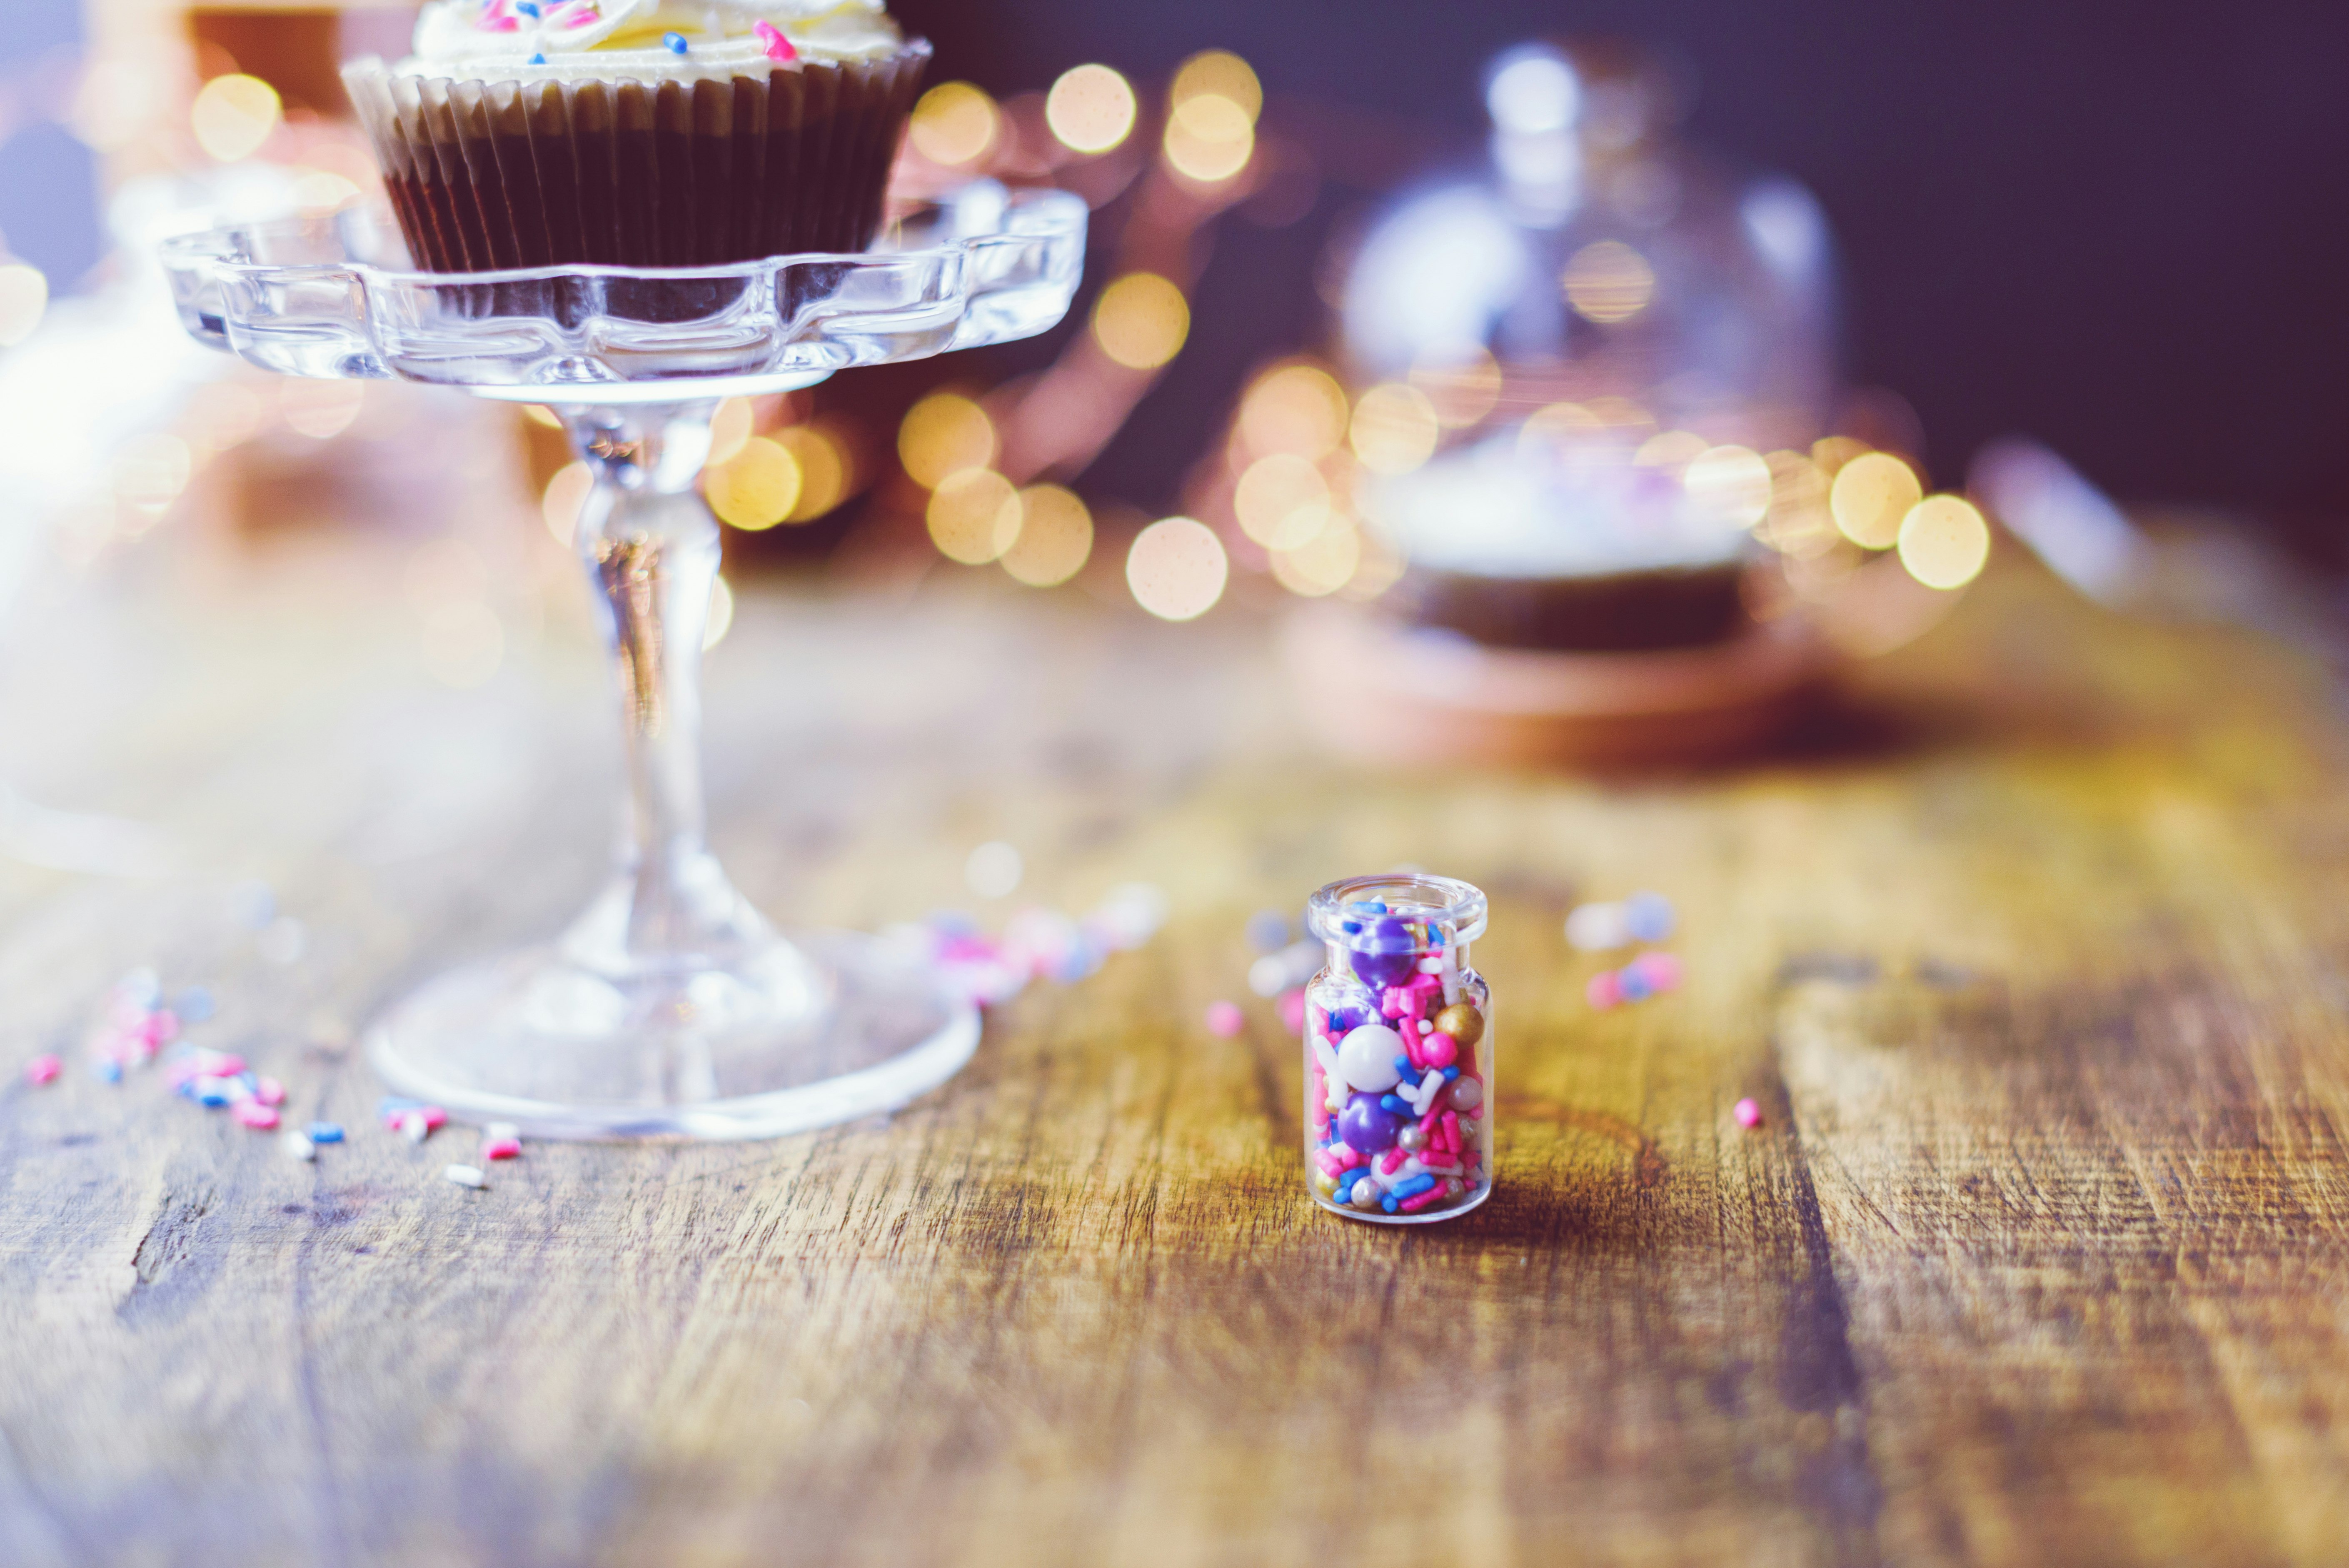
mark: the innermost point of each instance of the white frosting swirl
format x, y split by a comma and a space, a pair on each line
612, 40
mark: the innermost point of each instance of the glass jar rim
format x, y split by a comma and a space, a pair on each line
1458, 906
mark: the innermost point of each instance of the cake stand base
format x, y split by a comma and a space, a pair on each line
789, 1037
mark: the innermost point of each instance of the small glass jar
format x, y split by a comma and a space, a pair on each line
1398, 1051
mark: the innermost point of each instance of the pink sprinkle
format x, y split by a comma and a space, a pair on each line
1660, 970
499, 24
254, 1114
1393, 1161
1452, 1131
1439, 1049
1292, 1010
43, 1068
1225, 1019
1605, 989
219, 1063
502, 1148
269, 1091
1427, 1199
158, 1028
778, 46
1747, 1113
1391, 1003
1426, 982
583, 18
1348, 1157
434, 1117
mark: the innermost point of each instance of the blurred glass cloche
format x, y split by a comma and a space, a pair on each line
1607, 331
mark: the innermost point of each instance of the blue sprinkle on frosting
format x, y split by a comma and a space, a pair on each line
676, 42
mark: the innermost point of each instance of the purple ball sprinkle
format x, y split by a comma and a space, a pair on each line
1368, 1126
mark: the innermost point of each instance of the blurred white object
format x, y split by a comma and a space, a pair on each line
2071, 525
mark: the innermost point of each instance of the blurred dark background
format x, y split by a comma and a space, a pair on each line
2115, 228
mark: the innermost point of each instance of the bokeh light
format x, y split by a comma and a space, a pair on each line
1556, 430
233, 115
1870, 495
319, 410
1394, 429
23, 300
1218, 73
1831, 452
1462, 385
1729, 485
954, 123
1670, 449
1323, 564
1141, 320
722, 614
1944, 542
1176, 569
1282, 501
565, 494
1091, 109
757, 489
1056, 537
1209, 138
1297, 408
1799, 523
944, 434
733, 424
974, 516
824, 471
1608, 281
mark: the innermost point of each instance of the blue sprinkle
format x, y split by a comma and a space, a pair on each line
194, 1005
527, 8
326, 1132
1351, 927
250, 1079
1387, 1203
1634, 985
1402, 1065
676, 42
107, 1072
535, 60
1648, 916
1267, 930
214, 1098
1392, 1102
1414, 1187
391, 1103
1450, 1074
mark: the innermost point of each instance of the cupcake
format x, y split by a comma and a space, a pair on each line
640, 133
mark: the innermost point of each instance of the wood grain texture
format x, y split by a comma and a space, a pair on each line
2039, 1256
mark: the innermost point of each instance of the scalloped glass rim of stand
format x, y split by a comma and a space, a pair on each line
334, 296
669, 1008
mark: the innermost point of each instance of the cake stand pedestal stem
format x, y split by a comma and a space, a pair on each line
650, 547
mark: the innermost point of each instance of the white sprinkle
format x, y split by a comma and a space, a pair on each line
465, 1176
414, 1127
295, 1143
1598, 928
1431, 966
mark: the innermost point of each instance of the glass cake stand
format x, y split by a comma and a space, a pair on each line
670, 1007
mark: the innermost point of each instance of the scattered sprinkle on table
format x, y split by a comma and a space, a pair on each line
1225, 1019
326, 1132
465, 1176
296, 1145
1747, 1113
44, 1068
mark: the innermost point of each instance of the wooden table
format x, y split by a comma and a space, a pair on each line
2041, 1255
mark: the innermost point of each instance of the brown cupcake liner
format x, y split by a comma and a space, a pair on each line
495, 175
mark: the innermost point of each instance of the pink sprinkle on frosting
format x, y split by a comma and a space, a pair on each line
778, 46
